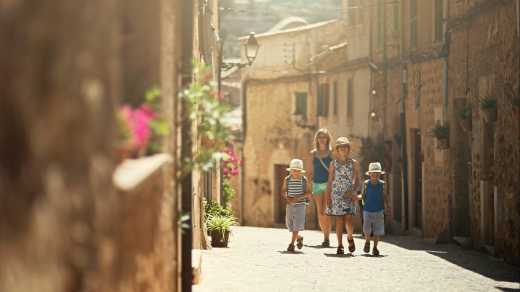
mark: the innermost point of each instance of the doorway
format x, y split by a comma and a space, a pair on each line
280, 172
417, 170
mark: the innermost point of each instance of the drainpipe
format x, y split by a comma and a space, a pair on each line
243, 105
402, 124
186, 20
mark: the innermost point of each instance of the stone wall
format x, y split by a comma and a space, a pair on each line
424, 108
143, 250
57, 128
485, 48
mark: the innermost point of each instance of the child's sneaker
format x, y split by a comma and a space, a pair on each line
290, 247
366, 249
375, 251
299, 242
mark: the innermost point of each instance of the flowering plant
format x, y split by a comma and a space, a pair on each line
207, 111
141, 128
230, 163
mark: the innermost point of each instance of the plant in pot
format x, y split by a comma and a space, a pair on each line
219, 228
488, 106
464, 117
442, 134
516, 106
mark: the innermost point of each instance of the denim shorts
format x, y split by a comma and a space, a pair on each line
374, 222
319, 188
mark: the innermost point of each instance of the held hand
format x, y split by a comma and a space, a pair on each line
348, 195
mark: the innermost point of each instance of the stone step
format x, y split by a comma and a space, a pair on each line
196, 265
463, 241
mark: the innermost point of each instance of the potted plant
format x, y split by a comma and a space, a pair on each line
516, 106
464, 117
442, 134
488, 105
219, 227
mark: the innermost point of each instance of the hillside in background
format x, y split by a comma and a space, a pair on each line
239, 17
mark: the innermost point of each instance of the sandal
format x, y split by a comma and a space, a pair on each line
351, 245
290, 247
299, 242
340, 250
325, 243
366, 249
375, 251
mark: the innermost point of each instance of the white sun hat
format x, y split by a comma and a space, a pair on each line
296, 164
375, 167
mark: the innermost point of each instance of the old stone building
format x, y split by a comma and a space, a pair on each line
484, 63
304, 78
435, 63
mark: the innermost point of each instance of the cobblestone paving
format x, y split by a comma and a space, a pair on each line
256, 261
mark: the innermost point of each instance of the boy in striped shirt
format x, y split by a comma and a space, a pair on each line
295, 192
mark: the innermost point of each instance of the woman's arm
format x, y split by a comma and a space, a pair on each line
328, 200
309, 164
357, 181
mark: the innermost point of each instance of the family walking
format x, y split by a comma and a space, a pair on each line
334, 181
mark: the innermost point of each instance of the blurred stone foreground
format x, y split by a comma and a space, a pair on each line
64, 225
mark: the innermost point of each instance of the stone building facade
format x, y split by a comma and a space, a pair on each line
450, 56
484, 61
304, 78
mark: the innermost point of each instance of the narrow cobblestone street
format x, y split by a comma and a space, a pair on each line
256, 261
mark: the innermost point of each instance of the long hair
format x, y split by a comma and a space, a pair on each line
325, 132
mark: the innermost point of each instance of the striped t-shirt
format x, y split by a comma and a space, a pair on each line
296, 187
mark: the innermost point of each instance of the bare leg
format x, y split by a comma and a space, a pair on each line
323, 220
294, 236
339, 229
376, 240
349, 225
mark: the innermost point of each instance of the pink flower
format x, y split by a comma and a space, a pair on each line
139, 123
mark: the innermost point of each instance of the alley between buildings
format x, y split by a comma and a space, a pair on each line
256, 260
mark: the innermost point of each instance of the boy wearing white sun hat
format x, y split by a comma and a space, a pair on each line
295, 192
373, 210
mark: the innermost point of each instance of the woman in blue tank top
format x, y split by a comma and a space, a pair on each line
321, 157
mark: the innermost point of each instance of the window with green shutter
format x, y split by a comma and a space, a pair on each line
301, 104
350, 100
381, 23
439, 13
323, 100
335, 98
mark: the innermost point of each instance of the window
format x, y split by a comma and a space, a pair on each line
413, 23
396, 16
301, 104
380, 23
335, 98
323, 100
439, 21
350, 100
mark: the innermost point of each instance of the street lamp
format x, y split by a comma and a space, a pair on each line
251, 48
251, 51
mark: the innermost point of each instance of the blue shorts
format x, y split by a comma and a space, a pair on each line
374, 223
